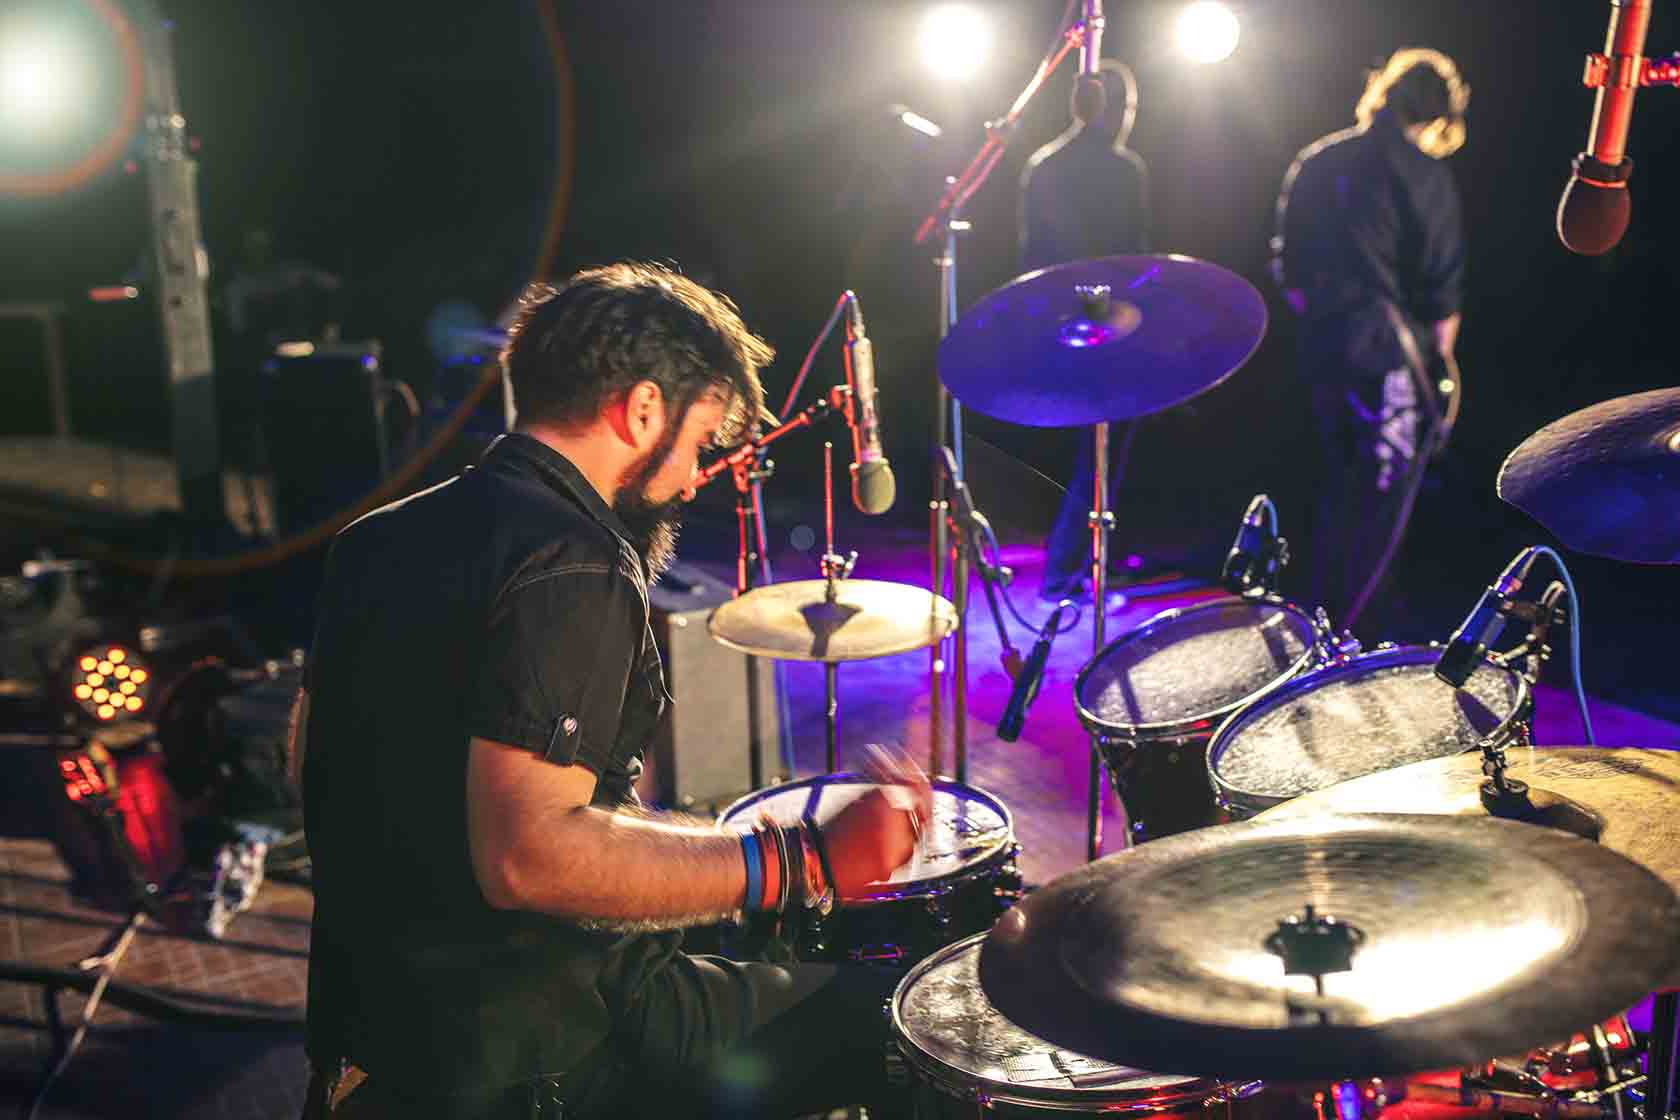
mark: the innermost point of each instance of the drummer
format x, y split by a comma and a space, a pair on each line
497, 922
1085, 194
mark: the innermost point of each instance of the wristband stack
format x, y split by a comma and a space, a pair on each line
786, 863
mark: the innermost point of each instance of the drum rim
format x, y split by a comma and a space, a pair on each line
1386, 656
951, 1079
1310, 659
935, 885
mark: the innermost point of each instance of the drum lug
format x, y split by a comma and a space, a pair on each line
811, 942
1332, 646
939, 914
1009, 886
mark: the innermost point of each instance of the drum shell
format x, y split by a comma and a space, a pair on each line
901, 922
1159, 770
939, 1090
1241, 804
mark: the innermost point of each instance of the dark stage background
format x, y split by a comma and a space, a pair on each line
422, 149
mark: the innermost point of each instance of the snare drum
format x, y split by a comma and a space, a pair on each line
1367, 713
966, 1059
1153, 697
961, 878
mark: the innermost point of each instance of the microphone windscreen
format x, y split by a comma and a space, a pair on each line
1591, 219
873, 487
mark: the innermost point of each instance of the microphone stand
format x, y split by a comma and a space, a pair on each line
748, 466
948, 427
972, 527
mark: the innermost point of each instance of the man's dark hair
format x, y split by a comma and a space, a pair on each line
575, 346
1418, 85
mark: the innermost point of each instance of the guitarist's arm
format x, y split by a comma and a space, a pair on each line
1446, 334
1451, 383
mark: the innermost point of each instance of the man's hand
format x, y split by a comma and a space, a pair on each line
877, 834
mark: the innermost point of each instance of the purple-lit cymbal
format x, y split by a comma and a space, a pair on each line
1606, 479
1104, 339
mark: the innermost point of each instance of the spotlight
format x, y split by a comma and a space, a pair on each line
954, 41
1207, 31
46, 80
109, 683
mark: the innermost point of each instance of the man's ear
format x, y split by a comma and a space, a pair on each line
644, 414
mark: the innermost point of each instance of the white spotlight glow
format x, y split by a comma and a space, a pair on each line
45, 82
1207, 31
954, 41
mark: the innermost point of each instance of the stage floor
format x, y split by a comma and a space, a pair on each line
133, 1067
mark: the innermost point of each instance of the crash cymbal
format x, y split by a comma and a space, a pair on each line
1632, 795
869, 618
1104, 339
1606, 479
1468, 937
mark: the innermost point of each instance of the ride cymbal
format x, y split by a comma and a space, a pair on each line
1104, 339
1465, 937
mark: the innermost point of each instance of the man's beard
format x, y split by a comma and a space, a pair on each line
653, 526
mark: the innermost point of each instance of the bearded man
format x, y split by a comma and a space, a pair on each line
498, 922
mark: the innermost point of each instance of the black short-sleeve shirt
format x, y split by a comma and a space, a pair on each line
506, 604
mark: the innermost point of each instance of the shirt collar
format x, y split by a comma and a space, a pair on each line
560, 473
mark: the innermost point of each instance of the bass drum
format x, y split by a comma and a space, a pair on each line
1153, 697
961, 878
1360, 715
965, 1059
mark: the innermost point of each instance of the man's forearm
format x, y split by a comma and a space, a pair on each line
1446, 333
593, 865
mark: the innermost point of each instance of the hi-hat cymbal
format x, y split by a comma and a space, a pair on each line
1606, 479
1104, 339
1634, 795
1475, 937
794, 621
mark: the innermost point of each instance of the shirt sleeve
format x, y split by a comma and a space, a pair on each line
1440, 275
557, 659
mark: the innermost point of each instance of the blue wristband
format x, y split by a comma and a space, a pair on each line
755, 872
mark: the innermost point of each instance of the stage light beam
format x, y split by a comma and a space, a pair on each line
1207, 31
955, 40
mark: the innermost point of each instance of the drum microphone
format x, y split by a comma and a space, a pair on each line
1255, 555
1482, 627
1593, 213
873, 487
1030, 677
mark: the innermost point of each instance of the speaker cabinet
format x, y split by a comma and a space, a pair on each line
699, 759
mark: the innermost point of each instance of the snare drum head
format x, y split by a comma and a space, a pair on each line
969, 829
1376, 712
949, 1030
1195, 664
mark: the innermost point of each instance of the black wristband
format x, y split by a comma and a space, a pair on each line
778, 846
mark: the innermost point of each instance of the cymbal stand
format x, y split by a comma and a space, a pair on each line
748, 467
1659, 1061
946, 218
834, 569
